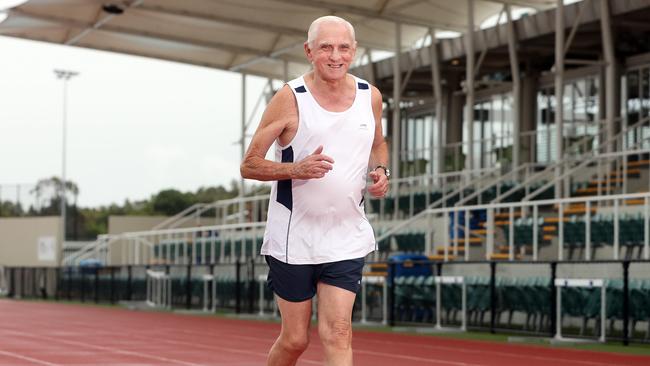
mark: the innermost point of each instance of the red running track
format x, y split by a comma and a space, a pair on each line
38, 333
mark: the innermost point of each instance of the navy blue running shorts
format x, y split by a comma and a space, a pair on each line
297, 282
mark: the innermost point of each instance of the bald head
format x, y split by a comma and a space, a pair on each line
312, 34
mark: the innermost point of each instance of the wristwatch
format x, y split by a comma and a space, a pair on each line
386, 170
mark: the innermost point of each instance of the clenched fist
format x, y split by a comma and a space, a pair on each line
379, 188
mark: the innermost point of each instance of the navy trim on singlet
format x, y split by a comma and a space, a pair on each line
363, 86
300, 89
285, 195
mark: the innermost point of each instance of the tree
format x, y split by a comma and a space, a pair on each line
48, 192
171, 201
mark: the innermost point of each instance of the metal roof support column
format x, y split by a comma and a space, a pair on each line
516, 89
437, 94
469, 86
285, 70
242, 186
610, 72
559, 93
372, 80
397, 82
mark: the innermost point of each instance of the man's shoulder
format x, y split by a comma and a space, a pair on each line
282, 103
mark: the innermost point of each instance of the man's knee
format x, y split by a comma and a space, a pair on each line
295, 343
336, 333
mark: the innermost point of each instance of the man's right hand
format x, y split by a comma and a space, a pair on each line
314, 166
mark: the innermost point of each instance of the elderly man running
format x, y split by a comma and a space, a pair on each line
326, 126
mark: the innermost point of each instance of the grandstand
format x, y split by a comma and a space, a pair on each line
521, 157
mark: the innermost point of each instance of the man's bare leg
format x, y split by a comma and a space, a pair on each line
335, 324
294, 336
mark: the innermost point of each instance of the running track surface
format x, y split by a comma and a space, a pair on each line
36, 333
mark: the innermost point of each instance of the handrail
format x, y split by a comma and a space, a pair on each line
556, 164
202, 207
565, 200
498, 180
440, 201
177, 216
583, 164
592, 156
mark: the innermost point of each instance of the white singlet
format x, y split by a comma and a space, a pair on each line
323, 220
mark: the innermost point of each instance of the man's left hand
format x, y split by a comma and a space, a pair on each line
380, 186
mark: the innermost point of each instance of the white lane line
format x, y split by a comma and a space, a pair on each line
497, 353
25, 358
414, 358
227, 349
109, 349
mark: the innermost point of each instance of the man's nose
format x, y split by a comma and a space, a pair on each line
335, 54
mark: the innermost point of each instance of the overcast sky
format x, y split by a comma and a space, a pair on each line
135, 125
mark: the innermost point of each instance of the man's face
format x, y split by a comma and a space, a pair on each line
332, 52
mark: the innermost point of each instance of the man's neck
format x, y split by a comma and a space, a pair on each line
323, 85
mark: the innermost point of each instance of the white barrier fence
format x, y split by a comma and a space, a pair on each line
159, 289
581, 283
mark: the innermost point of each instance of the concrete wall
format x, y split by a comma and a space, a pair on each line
123, 224
19, 241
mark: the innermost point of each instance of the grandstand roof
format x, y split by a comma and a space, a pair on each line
251, 36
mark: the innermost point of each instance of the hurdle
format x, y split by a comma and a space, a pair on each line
159, 289
4, 289
262, 281
373, 280
582, 283
451, 280
206, 279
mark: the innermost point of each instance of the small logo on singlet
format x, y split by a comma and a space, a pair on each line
363, 126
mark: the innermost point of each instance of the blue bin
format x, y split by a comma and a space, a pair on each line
409, 265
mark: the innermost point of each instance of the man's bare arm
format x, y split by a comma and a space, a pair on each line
280, 112
379, 152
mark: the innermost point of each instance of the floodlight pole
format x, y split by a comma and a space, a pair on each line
64, 75
242, 183
469, 86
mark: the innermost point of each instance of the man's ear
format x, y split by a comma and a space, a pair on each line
307, 51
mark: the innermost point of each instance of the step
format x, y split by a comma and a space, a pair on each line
635, 201
548, 237
441, 250
479, 232
504, 249
471, 240
502, 256
575, 206
376, 273
441, 257
378, 267
506, 215
554, 220
579, 210
549, 229
593, 190
629, 172
605, 182
639, 163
